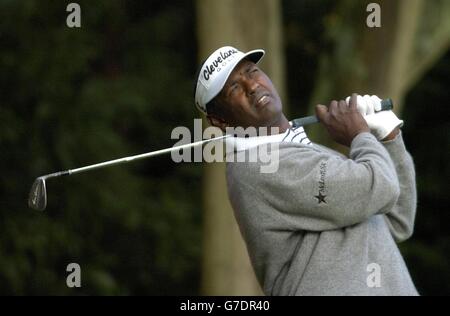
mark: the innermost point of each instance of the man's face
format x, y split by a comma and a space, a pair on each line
249, 97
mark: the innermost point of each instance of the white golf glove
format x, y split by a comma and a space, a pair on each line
382, 123
367, 104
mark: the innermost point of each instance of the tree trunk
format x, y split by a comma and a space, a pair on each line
245, 24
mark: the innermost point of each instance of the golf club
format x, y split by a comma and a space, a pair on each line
37, 198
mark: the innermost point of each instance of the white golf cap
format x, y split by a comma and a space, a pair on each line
216, 70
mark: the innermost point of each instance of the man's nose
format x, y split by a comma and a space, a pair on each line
251, 85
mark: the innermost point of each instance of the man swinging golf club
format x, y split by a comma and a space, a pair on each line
324, 223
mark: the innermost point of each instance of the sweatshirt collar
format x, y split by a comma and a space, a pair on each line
293, 134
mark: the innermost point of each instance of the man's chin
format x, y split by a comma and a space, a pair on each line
272, 112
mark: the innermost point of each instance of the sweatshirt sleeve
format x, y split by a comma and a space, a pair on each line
316, 190
401, 218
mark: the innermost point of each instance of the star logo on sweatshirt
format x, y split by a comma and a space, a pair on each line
321, 198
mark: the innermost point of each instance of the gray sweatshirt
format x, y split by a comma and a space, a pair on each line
325, 224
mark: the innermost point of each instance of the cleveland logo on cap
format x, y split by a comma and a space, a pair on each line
216, 63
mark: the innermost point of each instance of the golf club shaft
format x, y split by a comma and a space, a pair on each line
133, 158
37, 198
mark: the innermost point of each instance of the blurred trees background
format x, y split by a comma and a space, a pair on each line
69, 97
118, 85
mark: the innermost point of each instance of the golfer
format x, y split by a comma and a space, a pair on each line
323, 223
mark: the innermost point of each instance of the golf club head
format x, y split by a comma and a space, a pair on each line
37, 199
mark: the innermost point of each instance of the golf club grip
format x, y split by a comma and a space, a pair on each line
386, 105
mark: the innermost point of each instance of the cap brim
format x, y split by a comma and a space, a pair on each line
255, 55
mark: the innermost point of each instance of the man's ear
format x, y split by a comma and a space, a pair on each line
217, 121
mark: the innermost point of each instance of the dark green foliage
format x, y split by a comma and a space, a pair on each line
305, 39
71, 97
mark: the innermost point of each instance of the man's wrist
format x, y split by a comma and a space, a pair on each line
392, 135
361, 135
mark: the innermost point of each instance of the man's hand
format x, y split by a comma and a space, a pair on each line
383, 125
342, 121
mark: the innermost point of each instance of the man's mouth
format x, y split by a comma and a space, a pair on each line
262, 100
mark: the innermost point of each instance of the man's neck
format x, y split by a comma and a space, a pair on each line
282, 123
